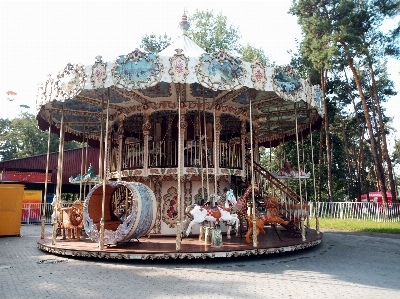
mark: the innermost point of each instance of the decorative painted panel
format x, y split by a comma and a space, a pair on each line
137, 70
220, 71
260, 96
198, 90
287, 82
170, 207
162, 89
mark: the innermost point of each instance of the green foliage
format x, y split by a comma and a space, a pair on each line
212, 32
250, 54
155, 44
21, 137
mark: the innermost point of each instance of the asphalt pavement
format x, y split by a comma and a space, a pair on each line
344, 265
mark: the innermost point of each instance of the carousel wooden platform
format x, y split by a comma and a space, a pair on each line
164, 247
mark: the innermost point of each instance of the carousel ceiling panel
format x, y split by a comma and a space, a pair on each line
259, 96
77, 105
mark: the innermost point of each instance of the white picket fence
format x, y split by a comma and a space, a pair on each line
32, 212
356, 210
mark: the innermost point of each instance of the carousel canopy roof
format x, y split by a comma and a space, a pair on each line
140, 83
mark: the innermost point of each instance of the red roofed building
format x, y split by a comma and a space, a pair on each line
31, 171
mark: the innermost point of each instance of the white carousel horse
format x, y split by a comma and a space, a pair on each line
212, 214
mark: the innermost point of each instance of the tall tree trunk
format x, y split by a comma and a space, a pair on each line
386, 155
378, 139
360, 131
320, 165
379, 168
327, 139
346, 147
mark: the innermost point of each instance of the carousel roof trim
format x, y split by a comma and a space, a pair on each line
139, 81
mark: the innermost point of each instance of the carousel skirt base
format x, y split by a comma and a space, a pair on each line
164, 247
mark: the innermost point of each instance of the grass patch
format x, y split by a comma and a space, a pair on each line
358, 225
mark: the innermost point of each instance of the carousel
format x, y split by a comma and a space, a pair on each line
179, 134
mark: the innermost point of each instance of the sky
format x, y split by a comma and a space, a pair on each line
39, 38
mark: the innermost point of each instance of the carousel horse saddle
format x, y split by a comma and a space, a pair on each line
213, 211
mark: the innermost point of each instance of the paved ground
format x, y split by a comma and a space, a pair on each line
344, 265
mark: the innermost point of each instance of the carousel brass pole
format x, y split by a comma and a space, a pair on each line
178, 219
82, 163
303, 233
57, 199
101, 155
103, 199
45, 183
85, 165
215, 151
206, 145
252, 176
201, 149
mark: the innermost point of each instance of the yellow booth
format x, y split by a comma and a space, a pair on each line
11, 196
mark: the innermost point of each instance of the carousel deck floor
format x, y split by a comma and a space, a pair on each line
164, 247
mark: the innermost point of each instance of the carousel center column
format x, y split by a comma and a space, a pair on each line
146, 127
120, 118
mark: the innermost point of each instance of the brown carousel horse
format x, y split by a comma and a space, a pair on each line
71, 218
272, 216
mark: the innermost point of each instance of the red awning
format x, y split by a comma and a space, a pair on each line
24, 176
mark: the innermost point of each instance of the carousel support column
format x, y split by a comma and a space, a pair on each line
182, 125
146, 127
101, 245
121, 118
59, 180
45, 183
252, 176
217, 134
243, 142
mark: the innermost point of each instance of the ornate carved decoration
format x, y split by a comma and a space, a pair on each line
71, 81
258, 75
179, 67
157, 183
99, 74
183, 122
187, 186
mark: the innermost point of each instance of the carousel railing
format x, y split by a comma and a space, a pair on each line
193, 154
293, 208
132, 155
261, 171
163, 154
230, 154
